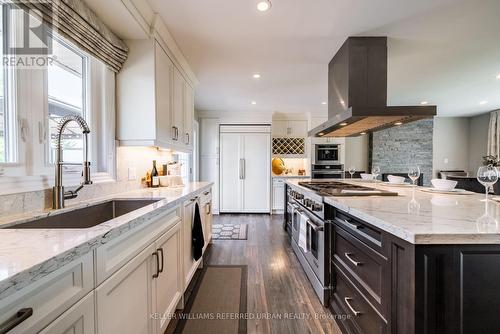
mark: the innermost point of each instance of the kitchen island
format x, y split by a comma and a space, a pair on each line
418, 262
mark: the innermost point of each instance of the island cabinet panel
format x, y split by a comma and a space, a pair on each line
458, 289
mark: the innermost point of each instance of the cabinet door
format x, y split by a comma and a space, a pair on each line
297, 129
278, 195
188, 115
178, 106
279, 129
256, 172
189, 264
231, 172
209, 172
168, 285
209, 137
124, 301
79, 319
164, 77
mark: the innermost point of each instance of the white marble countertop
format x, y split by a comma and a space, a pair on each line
29, 254
290, 176
424, 218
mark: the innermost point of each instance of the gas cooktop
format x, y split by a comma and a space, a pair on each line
336, 188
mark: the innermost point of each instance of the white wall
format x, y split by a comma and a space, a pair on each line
459, 142
356, 153
450, 144
478, 129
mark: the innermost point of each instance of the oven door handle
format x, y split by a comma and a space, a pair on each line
315, 227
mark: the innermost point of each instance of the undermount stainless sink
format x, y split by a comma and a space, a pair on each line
86, 217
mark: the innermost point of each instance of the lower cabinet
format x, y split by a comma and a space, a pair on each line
79, 319
141, 295
278, 196
125, 300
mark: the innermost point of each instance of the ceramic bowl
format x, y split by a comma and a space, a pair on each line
442, 184
396, 179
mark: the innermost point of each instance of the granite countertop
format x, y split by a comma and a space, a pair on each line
29, 254
424, 218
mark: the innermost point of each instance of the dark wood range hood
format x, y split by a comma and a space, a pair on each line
357, 92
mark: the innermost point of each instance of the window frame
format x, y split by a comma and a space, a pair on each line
32, 171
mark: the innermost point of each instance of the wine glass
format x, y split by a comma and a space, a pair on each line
414, 174
375, 172
352, 170
487, 176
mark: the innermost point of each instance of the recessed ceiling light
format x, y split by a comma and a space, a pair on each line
343, 124
483, 102
424, 103
323, 103
398, 123
254, 102
256, 76
264, 6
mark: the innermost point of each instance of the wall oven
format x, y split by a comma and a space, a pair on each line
332, 171
326, 154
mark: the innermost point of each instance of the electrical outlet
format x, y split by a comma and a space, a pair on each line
132, 174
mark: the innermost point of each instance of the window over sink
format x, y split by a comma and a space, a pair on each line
33, 100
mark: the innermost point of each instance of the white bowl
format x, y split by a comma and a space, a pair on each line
365, 176
396, 179
442, 184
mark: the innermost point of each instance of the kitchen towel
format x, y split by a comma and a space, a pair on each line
303, 232
197, 234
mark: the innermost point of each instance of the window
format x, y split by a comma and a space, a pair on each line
7, 129
67, 81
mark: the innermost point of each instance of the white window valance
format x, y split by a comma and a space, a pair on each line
74, 20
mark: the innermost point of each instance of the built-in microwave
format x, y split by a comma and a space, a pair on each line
326, 154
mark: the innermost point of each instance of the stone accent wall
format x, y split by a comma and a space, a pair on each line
396, 149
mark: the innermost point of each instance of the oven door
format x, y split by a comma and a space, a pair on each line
317, 251
326, 154
326, 175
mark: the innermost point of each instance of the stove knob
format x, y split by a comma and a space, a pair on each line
300, 196
317, 207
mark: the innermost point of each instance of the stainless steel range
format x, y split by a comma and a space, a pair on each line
306, 222
306, 208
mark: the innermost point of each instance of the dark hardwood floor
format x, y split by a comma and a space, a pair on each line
277, 285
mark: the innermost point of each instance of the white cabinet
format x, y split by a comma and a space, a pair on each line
209, 137
79, 319
125, 300
168, 286
245, 169
289, 129
278, 195
50, 296
188, 115
155, 103
206, 216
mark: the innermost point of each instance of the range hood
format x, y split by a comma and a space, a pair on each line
357, 92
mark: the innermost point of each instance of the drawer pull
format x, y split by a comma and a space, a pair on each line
16, 319
206, 193
160, 250
208, 208
354, 226
348, 256
347, 301
155, 275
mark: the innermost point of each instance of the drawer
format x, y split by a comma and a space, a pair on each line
206, 196
50, 296
361, 317
112, 255
361, 230
366, 267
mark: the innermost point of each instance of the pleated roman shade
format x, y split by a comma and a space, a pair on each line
74, 20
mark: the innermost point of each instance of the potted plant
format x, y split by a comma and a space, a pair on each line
491, 160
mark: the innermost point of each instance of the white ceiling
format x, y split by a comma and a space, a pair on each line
443, 51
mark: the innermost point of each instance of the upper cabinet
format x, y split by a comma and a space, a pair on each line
289, 129
155, 103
